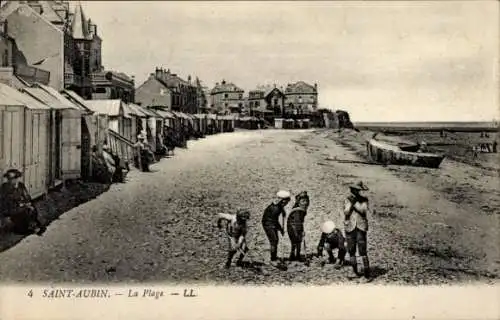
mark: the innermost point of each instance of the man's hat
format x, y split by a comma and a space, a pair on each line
328, 226
283, 194
12, 174
359, 186
141, 136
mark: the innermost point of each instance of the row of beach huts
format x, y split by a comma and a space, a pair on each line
49, 135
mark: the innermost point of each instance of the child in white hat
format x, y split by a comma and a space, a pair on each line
332, 238
271, 224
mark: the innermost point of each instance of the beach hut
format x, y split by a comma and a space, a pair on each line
86, 129
306, 123
289, 124
278, 123
116, 113
24, 144
167, 116
99, 122
154, 128
65, 136
211, 123
202, 120
159, 128
138, 121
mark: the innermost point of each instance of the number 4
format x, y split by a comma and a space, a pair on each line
30, 294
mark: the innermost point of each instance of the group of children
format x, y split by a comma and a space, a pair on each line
353, 238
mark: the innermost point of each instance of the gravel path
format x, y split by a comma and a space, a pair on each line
160, 226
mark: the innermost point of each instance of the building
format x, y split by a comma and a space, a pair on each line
301, 98
168, 91
202, 99
226, 98
113, 85
266, 101
67, 45
39, 43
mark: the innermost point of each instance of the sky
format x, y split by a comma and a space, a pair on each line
380, 61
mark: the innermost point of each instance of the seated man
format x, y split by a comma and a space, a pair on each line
15, 205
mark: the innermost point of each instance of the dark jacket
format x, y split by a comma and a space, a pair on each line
272, 214
11, 198
334, 239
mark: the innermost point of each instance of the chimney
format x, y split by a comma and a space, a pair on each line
158, 72
223, 81
315, 86
189, 78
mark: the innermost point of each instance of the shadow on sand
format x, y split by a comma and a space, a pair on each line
53, 205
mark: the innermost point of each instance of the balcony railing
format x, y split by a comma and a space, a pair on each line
71, 79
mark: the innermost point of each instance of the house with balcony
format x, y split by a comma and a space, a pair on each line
166, 90
226, 98
67, 45
202, 100
112, 85
301, 99
38, 42
266, 102
14, 70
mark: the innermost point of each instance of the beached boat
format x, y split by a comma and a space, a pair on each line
386, 153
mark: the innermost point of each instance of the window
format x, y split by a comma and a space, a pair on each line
257, 103
5, 59
241, 96
275, 102
100, 90
225, 96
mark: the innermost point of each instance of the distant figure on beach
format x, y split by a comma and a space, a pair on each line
495, 144
422, 147
474, 151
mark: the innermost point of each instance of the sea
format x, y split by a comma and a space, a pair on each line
430, 125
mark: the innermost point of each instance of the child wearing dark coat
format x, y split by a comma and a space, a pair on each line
332, 238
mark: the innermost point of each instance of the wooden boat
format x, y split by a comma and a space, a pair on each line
383, 152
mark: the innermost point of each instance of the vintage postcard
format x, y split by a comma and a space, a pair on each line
249, 160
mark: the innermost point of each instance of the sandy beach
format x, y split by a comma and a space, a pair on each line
427, 227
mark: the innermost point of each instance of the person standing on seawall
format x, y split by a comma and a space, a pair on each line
356, 210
